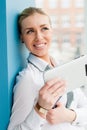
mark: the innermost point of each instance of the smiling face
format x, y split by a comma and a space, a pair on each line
36, 33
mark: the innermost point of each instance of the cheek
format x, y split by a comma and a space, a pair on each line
49, 35
26, 38
27, 41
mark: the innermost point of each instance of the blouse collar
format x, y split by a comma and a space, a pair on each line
39, 63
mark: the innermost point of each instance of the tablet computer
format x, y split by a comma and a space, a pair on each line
73, 72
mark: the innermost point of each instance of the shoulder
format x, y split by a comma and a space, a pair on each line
24, 77
26, 72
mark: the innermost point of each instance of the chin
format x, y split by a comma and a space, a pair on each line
41, 54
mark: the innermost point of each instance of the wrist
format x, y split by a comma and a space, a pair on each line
41, 109
74, 115
71, 115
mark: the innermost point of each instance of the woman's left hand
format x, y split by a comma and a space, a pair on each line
60, 115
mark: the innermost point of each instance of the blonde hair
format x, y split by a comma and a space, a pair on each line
28, 12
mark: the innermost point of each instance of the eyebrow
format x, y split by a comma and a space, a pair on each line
43, 25
33, 27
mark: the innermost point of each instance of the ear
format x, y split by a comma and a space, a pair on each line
21, 38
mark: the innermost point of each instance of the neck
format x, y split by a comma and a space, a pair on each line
49, 60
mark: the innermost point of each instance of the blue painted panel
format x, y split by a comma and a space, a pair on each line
3, 68
12, 52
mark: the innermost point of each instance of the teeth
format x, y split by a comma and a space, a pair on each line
39, 45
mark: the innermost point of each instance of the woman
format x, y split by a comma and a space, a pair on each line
38, 105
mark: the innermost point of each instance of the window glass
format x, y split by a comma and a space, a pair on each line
79, 20
54, 20
79, 3
65, 20
39, 3
65, 3
53, 3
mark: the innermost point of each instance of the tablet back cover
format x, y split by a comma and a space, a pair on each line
73, 72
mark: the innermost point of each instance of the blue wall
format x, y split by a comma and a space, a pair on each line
12, 52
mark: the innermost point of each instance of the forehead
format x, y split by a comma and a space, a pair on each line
35, 20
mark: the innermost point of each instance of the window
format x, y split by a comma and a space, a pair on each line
65, 20
79, 21
79, 43
79, 3
53, 4
54, 20
79, 37
65, 3
66, 38
39, 3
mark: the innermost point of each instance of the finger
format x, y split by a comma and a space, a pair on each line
50, 117
60, 91
59, 104
50, 114
56, 86
49, 83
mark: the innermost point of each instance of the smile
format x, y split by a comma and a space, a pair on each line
40, 46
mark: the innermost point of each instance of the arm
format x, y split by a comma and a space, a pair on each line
60, 114
75, 115
81, 109
23, 114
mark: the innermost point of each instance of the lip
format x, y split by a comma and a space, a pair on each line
40, 45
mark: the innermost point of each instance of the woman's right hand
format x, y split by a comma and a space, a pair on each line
50, 92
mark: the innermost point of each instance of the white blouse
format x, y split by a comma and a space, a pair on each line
29, 82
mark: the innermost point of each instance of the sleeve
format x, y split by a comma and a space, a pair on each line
81, 108
23, 116
32, 122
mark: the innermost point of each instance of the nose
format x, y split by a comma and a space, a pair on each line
39, 36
